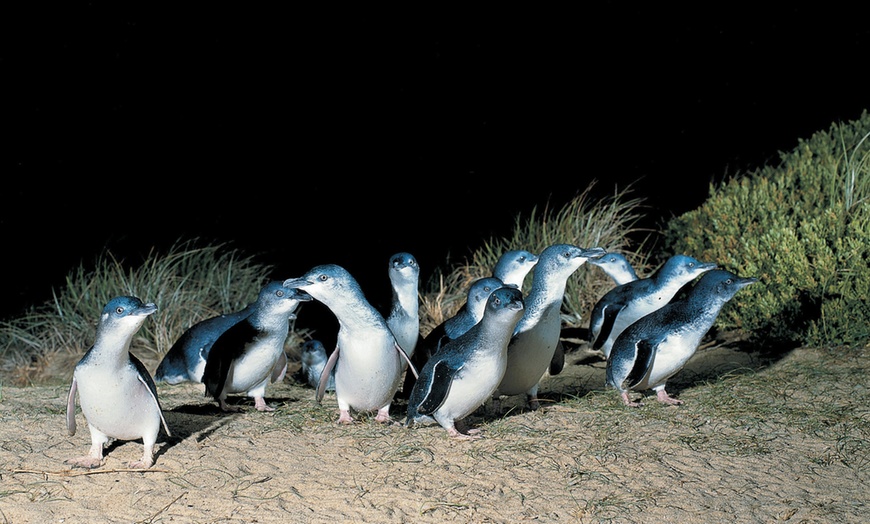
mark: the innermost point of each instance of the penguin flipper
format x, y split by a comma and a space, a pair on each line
280, 368
324, 375
557, 363
407, 359
610, 314
439, 386
71, 408
643, 359
157, 403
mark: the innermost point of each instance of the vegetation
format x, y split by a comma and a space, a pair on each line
190, 283
802, 228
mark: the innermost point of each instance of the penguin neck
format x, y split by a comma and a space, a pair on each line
541, 301
405, 300
112, 348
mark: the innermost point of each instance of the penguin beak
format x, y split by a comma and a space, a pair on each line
708, 266
300, 295
593, 252
295, 283
146, 309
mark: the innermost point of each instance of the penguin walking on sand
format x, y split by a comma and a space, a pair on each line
536, 336
404, 317
463, 373
313, 361
657, 346
116, 393
185, 360
510, 269
368, 360
250, 354
624, 304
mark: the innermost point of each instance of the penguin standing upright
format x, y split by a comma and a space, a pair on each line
368, 360
117, 395
404, 317
536, 336
464, 372
250, 354
654, 348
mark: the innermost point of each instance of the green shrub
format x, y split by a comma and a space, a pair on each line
802, 228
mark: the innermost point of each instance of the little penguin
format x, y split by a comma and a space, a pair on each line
116, 393
616, 266
368, 360
513, 266
467, 316
657, 346
313, 361
536, 337
250, 354
463, 373
185, 360
404, 317
624, 304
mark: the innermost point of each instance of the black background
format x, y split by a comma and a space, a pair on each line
346, 136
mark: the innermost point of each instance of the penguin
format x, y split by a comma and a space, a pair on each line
513, 266
404, 317
185, 360
250, 354
536, 336
463, 373
657, 346
467, 316
617, 267
313, 361
116, 393
625, 303
368, 359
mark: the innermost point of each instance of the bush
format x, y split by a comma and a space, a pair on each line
802, 228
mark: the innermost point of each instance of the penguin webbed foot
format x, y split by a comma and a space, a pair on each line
226, 408
663, 397
260, 404
85, 462
628, 402
145, 463
345, 418
459, 431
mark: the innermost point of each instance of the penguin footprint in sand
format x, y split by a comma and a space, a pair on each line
117, 395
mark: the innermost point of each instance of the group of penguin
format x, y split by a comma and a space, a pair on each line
500, 343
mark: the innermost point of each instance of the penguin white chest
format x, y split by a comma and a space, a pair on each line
671, 356
117, 404
253, 367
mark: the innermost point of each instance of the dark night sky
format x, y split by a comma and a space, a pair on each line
346, 138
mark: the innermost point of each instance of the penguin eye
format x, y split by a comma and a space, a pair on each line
119, 310
279, 293
323, 278
729, 282
691, 264
497, 301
